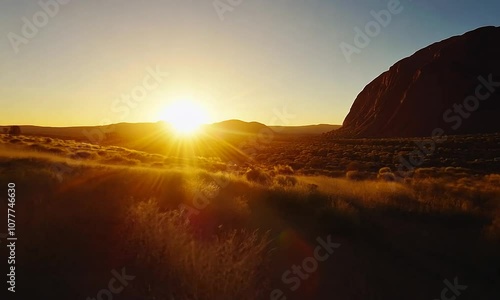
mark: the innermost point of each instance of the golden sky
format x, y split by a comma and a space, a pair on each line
253, 59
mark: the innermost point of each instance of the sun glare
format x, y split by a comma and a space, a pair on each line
185, 117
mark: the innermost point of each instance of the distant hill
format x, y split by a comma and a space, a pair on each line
233, 128
93, 134
224, 129
158, 137
304, 130
421, 93
59, 132
151, 137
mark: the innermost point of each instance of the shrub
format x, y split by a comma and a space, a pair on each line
15, 130
82, 155
286, 180
386, 176
283, 169
345, 209
312, 187
385, 170
257, 175
102, 153
55, 150
37, 148
492, 231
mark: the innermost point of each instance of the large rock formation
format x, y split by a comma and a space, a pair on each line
432, 89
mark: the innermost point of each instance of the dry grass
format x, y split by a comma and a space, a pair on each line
179, 264
101, 207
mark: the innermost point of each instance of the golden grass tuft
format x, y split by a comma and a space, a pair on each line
180, 265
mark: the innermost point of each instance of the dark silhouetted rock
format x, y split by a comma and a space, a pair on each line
415, 95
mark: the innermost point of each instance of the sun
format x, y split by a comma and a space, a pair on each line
185, 117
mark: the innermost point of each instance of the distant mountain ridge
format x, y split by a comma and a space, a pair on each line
230, 130
236, 127
304, 130
432, 89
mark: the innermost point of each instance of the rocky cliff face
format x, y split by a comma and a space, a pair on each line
453, 84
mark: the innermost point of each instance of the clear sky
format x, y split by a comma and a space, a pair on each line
264, 56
